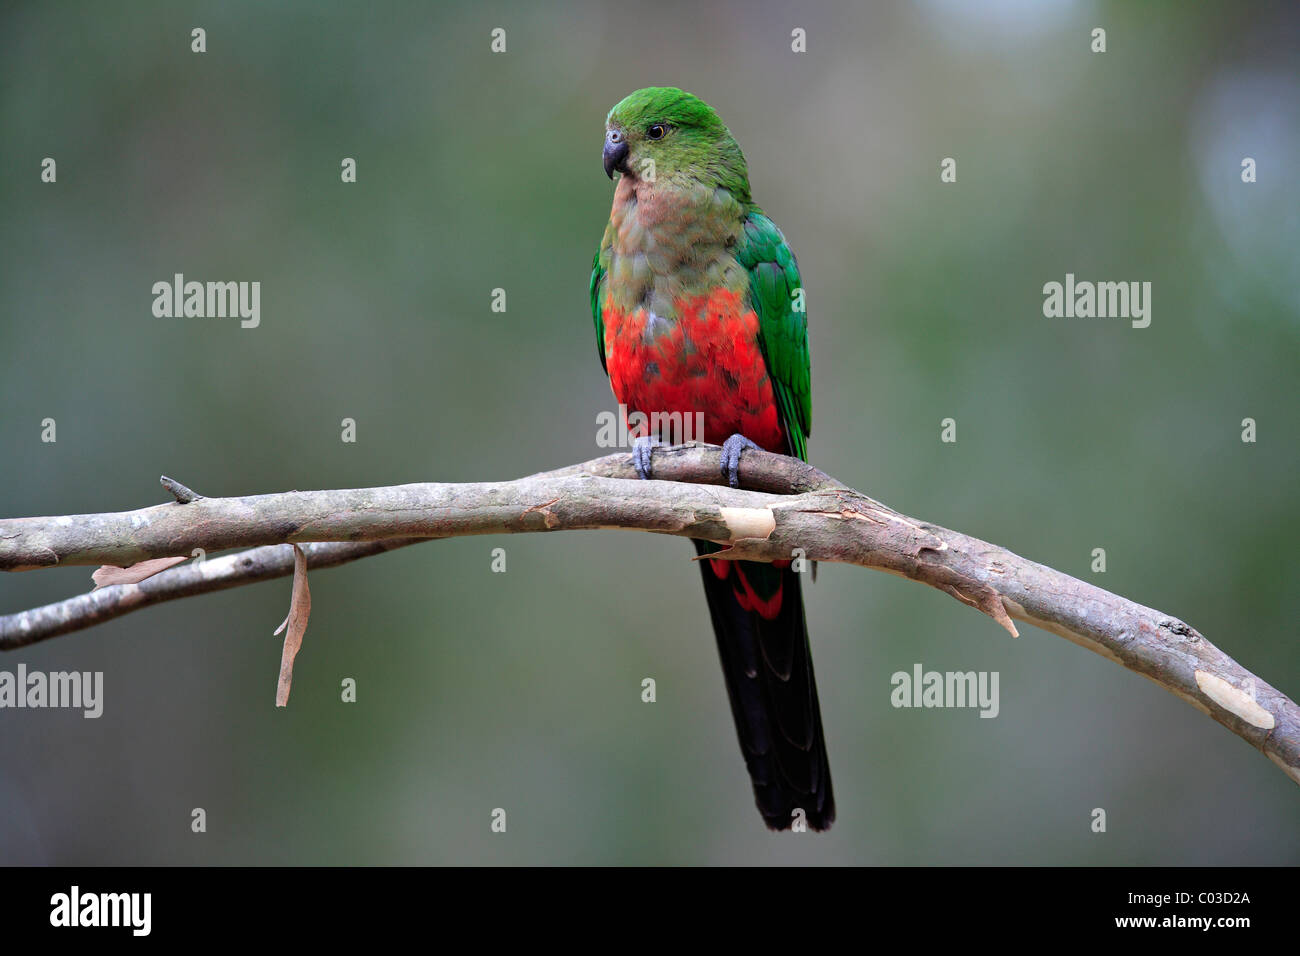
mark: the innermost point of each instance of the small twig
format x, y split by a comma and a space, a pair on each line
182, 494
187, 580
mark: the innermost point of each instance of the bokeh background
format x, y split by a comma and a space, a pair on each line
522, 690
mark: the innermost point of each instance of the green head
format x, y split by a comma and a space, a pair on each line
680, 133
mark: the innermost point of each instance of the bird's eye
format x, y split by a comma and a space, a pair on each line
656, 131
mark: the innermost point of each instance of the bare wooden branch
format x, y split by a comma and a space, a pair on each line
783, 505
188, 580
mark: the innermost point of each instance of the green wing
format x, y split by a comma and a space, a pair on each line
776, 292
598, 270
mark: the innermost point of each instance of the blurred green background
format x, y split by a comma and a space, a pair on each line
522, 690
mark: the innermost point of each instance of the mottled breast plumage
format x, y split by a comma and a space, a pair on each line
680, 335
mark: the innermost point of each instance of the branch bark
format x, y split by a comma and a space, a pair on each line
783, 504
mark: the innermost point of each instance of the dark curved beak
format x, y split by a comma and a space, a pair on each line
615, 156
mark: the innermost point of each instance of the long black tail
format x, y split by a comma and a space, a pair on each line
758, 620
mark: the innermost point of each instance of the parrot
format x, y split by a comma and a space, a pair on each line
699, 311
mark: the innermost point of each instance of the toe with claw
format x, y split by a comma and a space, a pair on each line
732, 449
642, 448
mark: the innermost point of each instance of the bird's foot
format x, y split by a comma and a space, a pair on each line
732, 449
642, 448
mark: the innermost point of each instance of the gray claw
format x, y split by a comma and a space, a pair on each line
732, 449
642, 450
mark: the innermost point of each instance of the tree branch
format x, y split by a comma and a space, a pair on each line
783, 505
